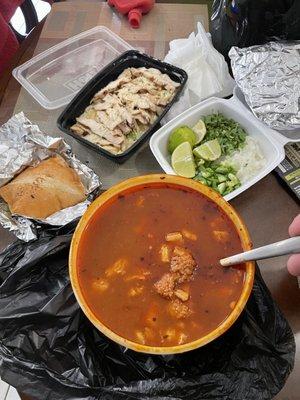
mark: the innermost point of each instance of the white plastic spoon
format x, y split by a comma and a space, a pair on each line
288, 246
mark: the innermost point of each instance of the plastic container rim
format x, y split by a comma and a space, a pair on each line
33, 91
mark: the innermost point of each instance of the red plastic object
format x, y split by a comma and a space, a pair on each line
133, 8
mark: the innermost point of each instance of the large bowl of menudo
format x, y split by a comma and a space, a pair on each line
144, 264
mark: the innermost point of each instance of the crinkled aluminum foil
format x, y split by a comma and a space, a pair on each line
22, 144
269, 77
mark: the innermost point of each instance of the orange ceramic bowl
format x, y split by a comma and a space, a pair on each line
158, 180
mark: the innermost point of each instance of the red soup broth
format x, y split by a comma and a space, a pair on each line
123, 253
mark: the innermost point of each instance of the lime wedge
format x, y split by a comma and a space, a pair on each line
209, 151
200, 131
183, 160
181, 135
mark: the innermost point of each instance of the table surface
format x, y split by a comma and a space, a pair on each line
267, 208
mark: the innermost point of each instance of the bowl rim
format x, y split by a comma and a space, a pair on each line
150, 180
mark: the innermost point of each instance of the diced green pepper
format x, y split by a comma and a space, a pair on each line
230, 184
232, 177
221, 178
221, 170
214, 186
206, 174
201, 161
222, 187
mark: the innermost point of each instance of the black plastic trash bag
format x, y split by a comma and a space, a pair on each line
49, 350
245, 23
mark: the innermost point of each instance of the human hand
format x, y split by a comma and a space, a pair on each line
293, 263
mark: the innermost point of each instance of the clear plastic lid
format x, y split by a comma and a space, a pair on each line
56, 75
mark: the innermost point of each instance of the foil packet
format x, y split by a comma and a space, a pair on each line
22, 144
269, 77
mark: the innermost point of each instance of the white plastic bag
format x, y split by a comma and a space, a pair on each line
206, 67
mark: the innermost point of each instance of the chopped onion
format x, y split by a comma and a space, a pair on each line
247, 161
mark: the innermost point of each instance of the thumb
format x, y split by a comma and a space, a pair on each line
293, 265
294, 229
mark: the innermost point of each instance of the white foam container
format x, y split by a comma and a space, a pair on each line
270, 141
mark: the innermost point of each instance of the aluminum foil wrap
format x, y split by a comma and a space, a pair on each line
269, 77
22, 144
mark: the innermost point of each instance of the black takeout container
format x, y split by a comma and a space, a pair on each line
131, 58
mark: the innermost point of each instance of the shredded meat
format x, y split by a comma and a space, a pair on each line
129, 104
179, 310
165, 286
183, 265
